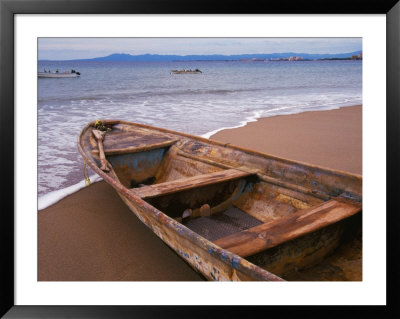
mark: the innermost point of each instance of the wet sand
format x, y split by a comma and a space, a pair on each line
92, 236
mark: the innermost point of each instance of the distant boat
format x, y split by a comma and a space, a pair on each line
66, 74
196, 71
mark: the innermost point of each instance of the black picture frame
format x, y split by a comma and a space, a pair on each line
9, 8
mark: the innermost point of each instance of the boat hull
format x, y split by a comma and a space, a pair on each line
291, 188
57, 75
207, 259
186, 72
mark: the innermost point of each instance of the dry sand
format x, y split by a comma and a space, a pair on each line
331, 139
91, 235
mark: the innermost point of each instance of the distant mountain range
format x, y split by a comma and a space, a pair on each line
214, 57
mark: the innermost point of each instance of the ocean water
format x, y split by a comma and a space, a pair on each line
227, 94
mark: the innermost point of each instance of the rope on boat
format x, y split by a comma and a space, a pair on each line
85, 173
99, 125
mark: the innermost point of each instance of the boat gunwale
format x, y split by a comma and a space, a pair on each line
234, 261
239, 148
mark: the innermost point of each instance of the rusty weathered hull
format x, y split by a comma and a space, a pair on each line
284, 207
211, 261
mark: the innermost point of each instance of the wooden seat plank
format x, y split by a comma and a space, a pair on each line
120, 141
264, 236
139, 148
189, 183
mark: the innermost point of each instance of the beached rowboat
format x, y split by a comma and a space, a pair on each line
231, 213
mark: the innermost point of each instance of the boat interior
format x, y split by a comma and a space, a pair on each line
233, 206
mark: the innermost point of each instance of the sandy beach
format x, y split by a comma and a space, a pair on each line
331, 139
92, 236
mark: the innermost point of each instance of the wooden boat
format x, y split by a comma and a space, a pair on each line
229, 212
72, 74
196, 71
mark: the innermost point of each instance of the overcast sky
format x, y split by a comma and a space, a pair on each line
83, 48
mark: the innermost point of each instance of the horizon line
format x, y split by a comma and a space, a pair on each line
209, 55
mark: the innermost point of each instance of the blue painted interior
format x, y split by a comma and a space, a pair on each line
139, 161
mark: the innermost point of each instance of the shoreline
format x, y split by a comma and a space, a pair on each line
91, 235
256, 117
318, 130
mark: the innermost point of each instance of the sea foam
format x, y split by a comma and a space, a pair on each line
256, 115
55, 196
